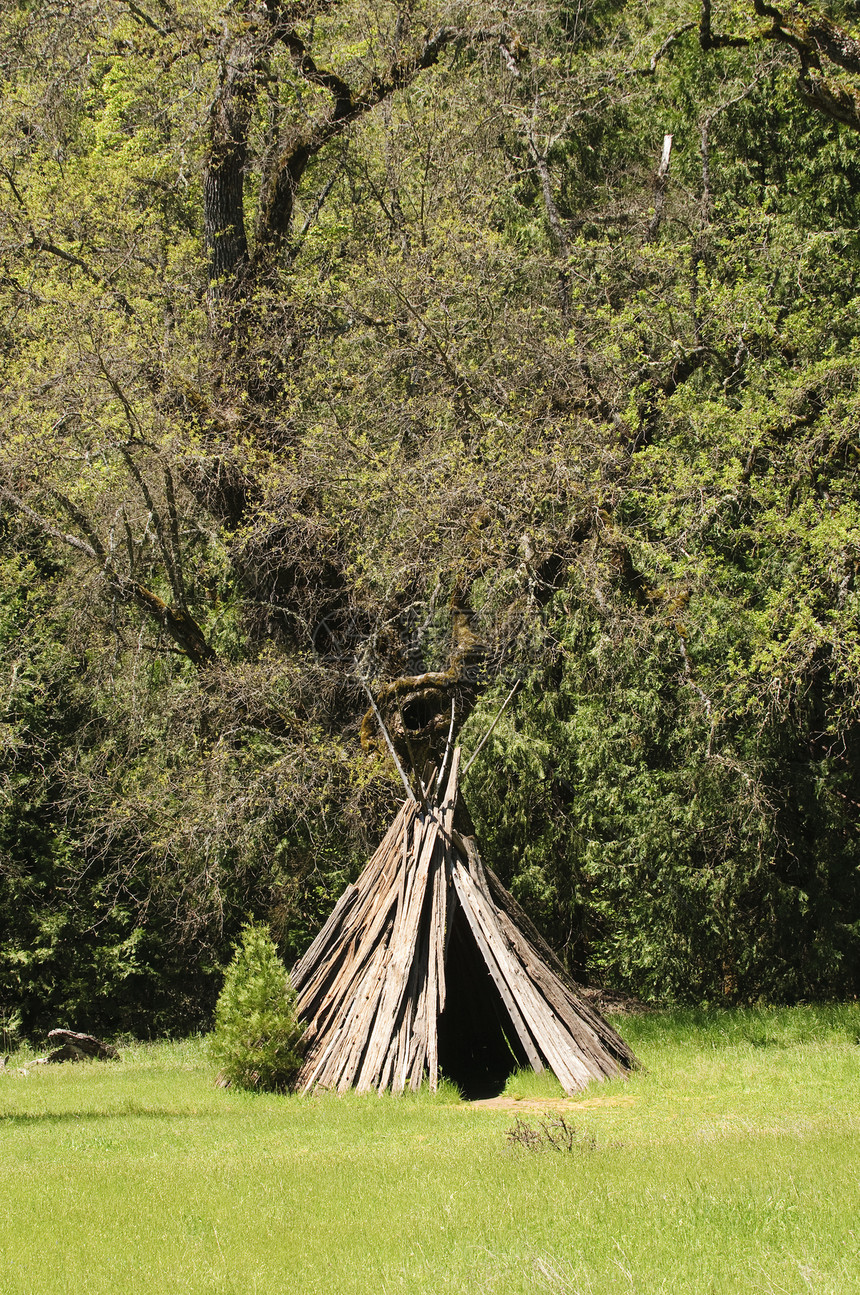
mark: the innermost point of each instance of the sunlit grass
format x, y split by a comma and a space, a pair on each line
729, 1164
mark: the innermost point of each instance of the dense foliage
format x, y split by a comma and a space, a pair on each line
256, 1036
323, 323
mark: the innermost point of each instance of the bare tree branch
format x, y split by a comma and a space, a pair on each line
814, 38
45, 526
670, 40
839, 104
710, 40
280, 186
177, 623
39, 244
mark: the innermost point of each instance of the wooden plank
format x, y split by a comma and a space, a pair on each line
401, 1051
504, 900
417, 1063
603, 1050
416, 1007
453, 780
452, 904
436, 960
354, 945
415, 1055
476, 867
315, 1066
404, 942
363, 1027
331, 949
595, 1061
610, 1040
340, 989
467, 894
538, 1016
404, 868
600, 1062
327, 934
431, 982
555, 992
606, 1062
342, 978
570, 1067
401, 1034
361, 1011
441, 916
407, 1041
430, 962
391, 1070
400, 1039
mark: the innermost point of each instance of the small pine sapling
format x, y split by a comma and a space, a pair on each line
256, 1040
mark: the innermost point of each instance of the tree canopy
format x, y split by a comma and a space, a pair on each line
438, 348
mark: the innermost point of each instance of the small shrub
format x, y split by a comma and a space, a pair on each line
553, 1135
256, 1037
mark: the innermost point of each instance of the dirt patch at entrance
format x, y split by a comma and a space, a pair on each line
545, 1104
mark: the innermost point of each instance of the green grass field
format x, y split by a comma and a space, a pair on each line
732, 1163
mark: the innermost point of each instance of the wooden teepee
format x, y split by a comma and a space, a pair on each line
425, 964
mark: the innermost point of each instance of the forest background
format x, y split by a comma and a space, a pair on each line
342, 340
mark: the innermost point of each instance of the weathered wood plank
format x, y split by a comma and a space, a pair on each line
364, 1024
571, 1069
316, 1064
467, 893
558, 997
327, 935
343, 978
404, 943
365, 884
357, 931
357, 939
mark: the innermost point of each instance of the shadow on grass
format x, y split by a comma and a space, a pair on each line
67, 1117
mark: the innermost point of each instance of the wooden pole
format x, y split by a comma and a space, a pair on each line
489, 731
441, 774
409, 792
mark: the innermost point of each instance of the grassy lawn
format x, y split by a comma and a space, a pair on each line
731, 1164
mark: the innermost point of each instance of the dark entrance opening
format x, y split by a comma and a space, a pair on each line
478, 1046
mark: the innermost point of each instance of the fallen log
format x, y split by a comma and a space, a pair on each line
80, 1047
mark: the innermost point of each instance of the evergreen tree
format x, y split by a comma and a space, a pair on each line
256, 1036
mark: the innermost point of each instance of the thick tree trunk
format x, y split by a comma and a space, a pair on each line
224, 181
224, 216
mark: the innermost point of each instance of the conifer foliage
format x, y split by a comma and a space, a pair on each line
256, 1038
